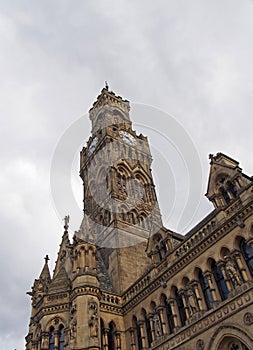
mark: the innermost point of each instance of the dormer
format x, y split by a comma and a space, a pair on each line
226, 180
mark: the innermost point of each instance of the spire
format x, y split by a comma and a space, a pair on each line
45, 273
63, 258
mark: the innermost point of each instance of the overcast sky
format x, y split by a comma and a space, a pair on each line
190, 59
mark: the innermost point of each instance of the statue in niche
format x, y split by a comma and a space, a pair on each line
191, 301
93, 318
72, 328
232, 273
157, 325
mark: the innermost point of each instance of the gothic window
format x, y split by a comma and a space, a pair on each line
232, 188
148, 330
247, 251
220, 281
169, 314
137, 333
206, 290
51, 338
111, 336
61, 338
102, 331
180, 306
225, 195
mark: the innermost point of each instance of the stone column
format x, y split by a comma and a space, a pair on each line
238, 258
105, 338
209, 277
182, 294
164, 324
221, 265
44, 341
150, 317
56, 340
143, 336
118, 340
132, 338
174, 312
195, 287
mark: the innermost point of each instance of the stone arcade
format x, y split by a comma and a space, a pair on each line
125, 282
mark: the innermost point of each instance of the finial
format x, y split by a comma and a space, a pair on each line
66, 222
106, 85
46, 259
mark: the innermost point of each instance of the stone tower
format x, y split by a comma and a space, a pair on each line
119, 194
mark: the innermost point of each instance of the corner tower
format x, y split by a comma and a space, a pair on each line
120, 205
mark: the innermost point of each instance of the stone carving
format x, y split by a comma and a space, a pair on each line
248, 318
191, 301
200, 345
157, 325
232, 273
93, 318
72, 328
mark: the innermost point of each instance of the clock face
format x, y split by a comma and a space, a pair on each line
92, 146
128, 138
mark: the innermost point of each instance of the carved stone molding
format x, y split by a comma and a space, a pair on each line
248, 318
200, 345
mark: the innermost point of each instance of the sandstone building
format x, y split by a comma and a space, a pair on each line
125, 282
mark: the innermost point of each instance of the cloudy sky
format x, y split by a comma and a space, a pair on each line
189, 60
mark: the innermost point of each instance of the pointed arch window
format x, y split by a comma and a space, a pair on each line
169, 314
220, 281
247, 252
51, 338
61, 338
180, 306
111, 336
136, 326
148, 329
206, 290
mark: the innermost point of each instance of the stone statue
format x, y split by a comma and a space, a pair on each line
232, 273
72, 328
191, 301
93, 319
157, 325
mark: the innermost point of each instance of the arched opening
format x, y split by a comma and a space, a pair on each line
220, 280
247, 252
51, 338
169, 314
138, 340
61, 338
206, 290
148, 327
180, 306
111, 336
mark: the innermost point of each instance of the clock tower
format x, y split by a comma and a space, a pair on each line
121, 212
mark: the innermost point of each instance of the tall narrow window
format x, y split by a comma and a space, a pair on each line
169, 317
51, 338
148, 330
247, 251
225, 195
220, 281
206, 290
138, 341
111, 336
61, 338
180, 306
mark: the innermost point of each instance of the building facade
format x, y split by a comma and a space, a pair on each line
125, 282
